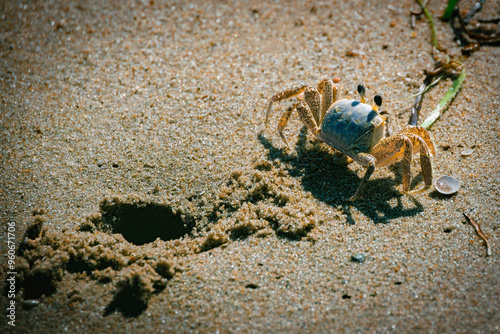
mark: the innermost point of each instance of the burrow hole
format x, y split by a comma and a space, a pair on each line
141, 223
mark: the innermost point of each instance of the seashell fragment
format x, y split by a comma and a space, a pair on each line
447, 185
30, 303
467, 152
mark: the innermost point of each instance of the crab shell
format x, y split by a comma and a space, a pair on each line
352, 127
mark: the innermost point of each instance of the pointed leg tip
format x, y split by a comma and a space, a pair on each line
284, 139
353, 198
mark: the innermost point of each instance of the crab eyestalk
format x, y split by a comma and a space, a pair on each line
378, 102
361, 92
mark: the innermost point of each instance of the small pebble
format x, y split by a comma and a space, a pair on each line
30, 303
360, 258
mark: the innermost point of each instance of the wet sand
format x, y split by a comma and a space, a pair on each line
147, 196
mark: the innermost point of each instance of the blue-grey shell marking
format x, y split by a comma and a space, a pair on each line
348, 126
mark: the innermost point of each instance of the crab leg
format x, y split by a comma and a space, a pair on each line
369, 161
286, 94
421, 133
321, 85
313, 100
306, 116
425, 161
393, 149
329, 94
283, 121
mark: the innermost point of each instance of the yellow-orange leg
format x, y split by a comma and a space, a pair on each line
421, 133
286, 94
425, 160
329, 94
368, 161
305, 116
313, 101
284, 120
392, 149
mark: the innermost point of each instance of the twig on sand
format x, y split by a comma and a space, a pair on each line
479, 34
417, 105
476, 8
480, 233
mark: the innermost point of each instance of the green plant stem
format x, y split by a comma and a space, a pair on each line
431, 22
448, 97
449, 9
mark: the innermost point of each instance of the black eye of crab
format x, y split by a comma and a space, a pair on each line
355, 150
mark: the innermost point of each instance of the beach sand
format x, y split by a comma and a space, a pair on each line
143, 192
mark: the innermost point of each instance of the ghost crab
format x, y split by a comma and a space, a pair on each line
357, 130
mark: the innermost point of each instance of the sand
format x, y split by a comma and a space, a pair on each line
143, 193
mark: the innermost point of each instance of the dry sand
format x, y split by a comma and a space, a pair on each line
146, 198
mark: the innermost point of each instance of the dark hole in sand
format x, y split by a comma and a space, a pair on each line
38, 284
128, 301
78, 266
132, 297
448, 229
141, 223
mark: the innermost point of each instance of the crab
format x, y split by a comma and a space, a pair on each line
357, 131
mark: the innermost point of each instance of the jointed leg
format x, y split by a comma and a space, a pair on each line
329, 94
407, 155
369, 161
393, 149
286, 94
425, 161
313, 100
321, 85
305, 116
283, 121
340, 159
421, 133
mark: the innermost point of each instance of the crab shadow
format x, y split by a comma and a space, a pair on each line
334, 184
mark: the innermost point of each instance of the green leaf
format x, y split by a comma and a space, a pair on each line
448, 97
449, 9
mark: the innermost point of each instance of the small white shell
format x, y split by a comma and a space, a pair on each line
467, 152
30, 303
447, 185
